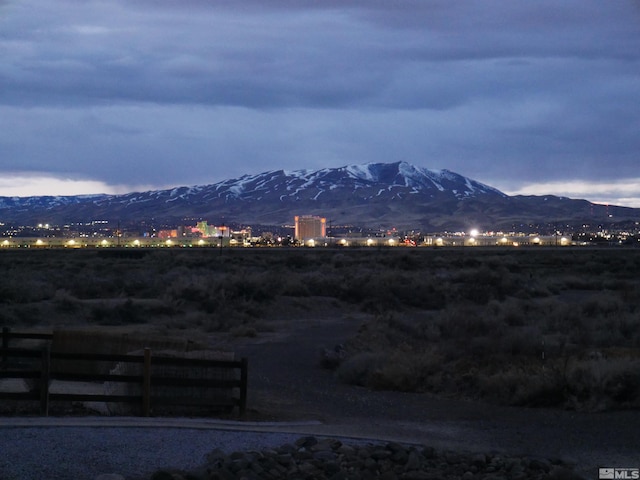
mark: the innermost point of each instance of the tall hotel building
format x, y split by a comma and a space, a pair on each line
310, 226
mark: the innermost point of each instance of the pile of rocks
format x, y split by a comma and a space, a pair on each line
313, 458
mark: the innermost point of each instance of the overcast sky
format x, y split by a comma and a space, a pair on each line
112, 96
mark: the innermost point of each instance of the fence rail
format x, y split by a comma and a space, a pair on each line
41, 369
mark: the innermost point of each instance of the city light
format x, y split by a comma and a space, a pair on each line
241, 240
86, 235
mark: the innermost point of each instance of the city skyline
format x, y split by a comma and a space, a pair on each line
132, 96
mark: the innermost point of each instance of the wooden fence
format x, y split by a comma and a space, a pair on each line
40, 367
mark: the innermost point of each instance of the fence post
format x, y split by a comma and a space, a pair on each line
45, 377
5, 345
243, 385
146, 383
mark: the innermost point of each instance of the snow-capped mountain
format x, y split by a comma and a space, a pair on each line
375, 194
370, 182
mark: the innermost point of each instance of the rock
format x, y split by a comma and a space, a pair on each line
389, 475
325, 456
540, 464
452, 458
162, 475
380, 454
395, 447
346, 450
307, 468
331, 468
314, 458
400, 457
306, 442
512, 464
327, 444
286, 448
370, 464
416, 475
221, 474
429, 452
563, 473
340, 476
284, 459
363, 453
414, 462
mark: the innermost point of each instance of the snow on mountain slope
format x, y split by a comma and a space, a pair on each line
352, 178
368, 180
374, 193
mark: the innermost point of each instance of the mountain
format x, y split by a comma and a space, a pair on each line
372, 195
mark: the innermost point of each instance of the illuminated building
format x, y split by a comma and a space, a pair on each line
168, 233
207, 230
309, 227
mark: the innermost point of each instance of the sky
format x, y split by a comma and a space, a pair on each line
115, 96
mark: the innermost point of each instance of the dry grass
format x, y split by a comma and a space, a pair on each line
531, 327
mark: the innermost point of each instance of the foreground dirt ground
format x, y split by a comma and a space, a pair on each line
287, 383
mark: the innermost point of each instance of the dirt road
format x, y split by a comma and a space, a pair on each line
287, 383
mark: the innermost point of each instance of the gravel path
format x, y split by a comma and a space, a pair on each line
79, 453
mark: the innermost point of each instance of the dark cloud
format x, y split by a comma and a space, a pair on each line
500, 91
313, 57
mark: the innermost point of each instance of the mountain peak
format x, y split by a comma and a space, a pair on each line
396, 174
396, 194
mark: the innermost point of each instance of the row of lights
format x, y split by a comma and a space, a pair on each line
345, 243
104, 243
310, 243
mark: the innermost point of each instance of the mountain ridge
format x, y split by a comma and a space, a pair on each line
373, 194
